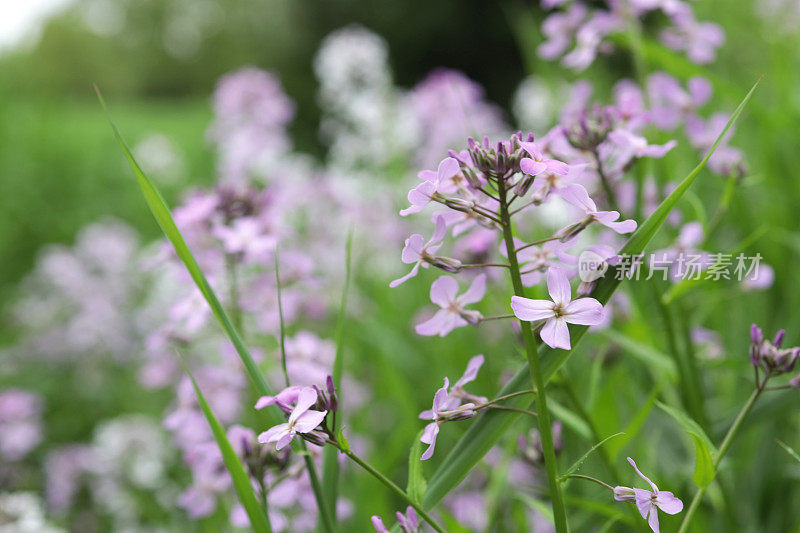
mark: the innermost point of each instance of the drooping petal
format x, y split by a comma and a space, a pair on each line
652, 485
284, 441
475, 292
309, 420
644, 502
607, 219
668, 502
558, 286
584, 311
273, 434
652, 519
429, 438
436, 324
471, 372
531, 310
401, 280
443, 291
555, 334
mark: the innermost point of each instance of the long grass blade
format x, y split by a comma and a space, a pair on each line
490, 427
259, 521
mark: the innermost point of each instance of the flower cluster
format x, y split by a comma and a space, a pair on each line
578, 31
20, 423
770, 357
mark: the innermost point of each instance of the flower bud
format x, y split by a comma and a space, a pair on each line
446, 263
756, 335
624, 494
472, 317
333, 401
314, 437
459, 204
779, 336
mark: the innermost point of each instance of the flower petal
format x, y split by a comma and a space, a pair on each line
578, 196
447, 169
273, 434
555, 334
401, 280
633, 464
306, 398
475, 292
667, 502
471, 372
531, 167
443, 291
309, 420
585, 311
558, 286
531, 310
412, 251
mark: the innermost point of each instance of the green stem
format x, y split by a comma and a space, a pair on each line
590, 478
389, 484
726, 443
545, 429
233, 291
722, 209
612, 199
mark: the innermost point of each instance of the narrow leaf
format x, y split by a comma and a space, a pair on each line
579, 463
660, 362
490, 427
162, 215
688, 425
241, 481
416, 477
704, 464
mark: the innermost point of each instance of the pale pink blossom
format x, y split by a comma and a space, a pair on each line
649, 502
452, 315
302, 420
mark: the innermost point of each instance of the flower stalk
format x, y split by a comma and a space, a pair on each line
559, 512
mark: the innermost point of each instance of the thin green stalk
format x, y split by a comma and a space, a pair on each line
330, 459
726, 443
324, 512
545, 430
612, 199
722, 209
389, 484
233, 291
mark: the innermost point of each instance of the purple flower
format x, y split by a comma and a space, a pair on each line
444, 408
409, 523
20, 423
421, 195
699, 40
457, 393
559, 312
452, 315
284, 399
303, 419
649, 502
635, 146
537, 163
419, 252
670, 103
577, 196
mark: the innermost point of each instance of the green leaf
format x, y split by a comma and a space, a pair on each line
162, 215
790, 450
539, 506
489, 427
340, 438
688, 425
704, 464
570, 419
241, 481
330, 456
577, 464
416, 477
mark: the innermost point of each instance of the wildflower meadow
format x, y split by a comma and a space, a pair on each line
456, 266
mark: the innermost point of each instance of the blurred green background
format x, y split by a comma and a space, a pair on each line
157, 61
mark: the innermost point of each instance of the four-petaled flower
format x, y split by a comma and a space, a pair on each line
457, 393
303, 419
558, 312
419, 252
577, 196
421, 195
444, 408
649, 502
452, 314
